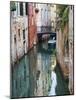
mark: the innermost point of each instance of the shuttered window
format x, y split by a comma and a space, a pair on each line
26, 8
24, 34
21, 9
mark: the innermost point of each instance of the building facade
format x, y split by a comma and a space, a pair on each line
65, 43
42, 16
71, 49
23, 28
32, 25
19, 31
53, 17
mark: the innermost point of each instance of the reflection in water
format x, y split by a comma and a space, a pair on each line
32, 75
53, 84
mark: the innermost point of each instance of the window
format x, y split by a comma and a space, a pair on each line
32, 21
19, 33
47, 4
52, 5
15, 39
26, 8
24, 34
21, 8
35, 5
71, 7
52, 23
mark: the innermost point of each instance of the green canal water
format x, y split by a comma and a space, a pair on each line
31, 76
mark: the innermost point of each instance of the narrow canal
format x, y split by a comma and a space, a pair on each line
32, 75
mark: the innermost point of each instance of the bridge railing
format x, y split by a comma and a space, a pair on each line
43, 29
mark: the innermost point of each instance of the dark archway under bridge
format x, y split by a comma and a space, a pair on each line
43, 30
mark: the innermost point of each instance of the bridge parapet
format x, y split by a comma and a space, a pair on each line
43, 29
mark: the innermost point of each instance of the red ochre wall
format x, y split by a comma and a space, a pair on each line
32, 35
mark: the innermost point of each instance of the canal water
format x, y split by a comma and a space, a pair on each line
32, 76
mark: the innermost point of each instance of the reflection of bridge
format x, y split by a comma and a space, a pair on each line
41, 30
